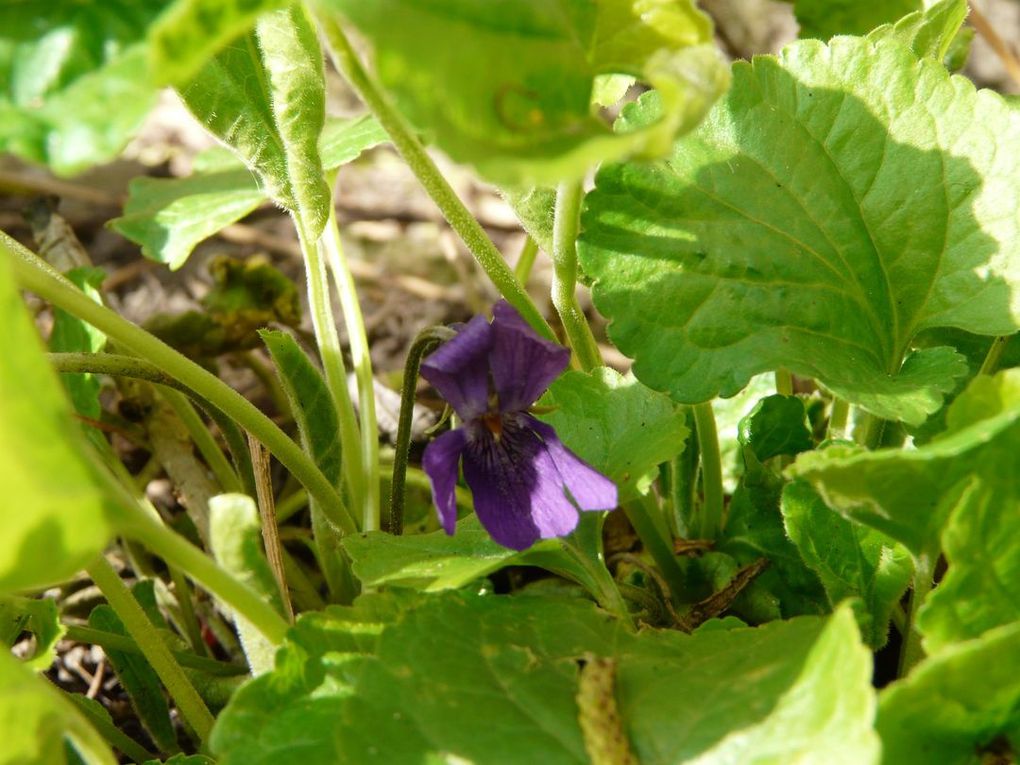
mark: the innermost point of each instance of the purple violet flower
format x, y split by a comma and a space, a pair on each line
527, 485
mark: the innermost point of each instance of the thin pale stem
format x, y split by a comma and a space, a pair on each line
186, 609
191, 706
453, 209
207, 446
333, 365
784, 382
994, 356
361, 360
1001, 48
839, 413
117, 642
642, 514
425, 342
526, 260
912, 652
713, 507
33, 274
566, 224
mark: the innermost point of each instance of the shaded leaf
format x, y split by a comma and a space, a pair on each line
62, 64
616, 425
909, 494
840, 200
777, 425
39, 616
72, 335
954, 705
827, 18
60, 525
139, 680
851, 560
527, 116
497, 678
36, 722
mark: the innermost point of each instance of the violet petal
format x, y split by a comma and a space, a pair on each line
459, 368
523, 364
588, 487
518, 490
440, 462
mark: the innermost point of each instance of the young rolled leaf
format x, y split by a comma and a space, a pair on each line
851, 560
840, 200
398, 699
264, 96
616, 425
62, 65
60, 525
527, 116
958, 707
190, 32
168, 217
36, 723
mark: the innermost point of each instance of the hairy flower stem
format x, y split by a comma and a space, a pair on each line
35, 275
526, 260
712, 508
328, 340
361, 360
424, 343
566, 224
192, 707
912, 652
456, 214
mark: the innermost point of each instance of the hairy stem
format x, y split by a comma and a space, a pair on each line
713, 508
192, 707
361, 360
123, 643
457, 215
424, 343
564, 282
333, 365
526, 260
33, 274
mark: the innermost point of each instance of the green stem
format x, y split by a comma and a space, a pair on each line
207, 446
33, 274
526, 260
333, 365
566, 224
176, 550
361, 360
642, 514
457, 215
123, 643
784, 382
994, 355
912, 652
191, 706
423, 343
869, 429
607, 593
713, 508
294, 503
186, 608
838, 415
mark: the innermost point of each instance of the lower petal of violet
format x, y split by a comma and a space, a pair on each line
441, 462
588, 487
519, 488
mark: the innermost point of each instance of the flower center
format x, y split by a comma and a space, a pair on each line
493, 422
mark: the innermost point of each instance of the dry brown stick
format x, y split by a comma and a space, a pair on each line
984, 28
270, 532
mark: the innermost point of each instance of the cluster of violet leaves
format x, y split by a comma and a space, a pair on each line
788, 533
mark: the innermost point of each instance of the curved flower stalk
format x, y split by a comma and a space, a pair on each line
527, 485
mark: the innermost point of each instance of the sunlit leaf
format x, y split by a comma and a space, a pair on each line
839, 201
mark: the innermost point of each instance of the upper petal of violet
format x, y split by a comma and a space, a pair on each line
441, 462
523, 364
459, 368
